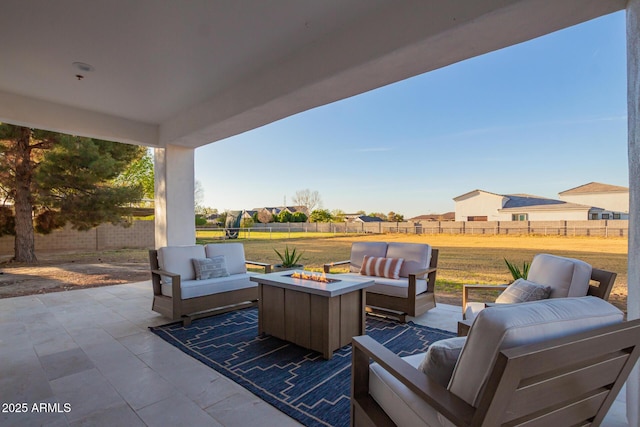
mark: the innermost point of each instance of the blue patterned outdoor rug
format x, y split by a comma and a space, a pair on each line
297, 381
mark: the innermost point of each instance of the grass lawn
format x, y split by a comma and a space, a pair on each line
463, 258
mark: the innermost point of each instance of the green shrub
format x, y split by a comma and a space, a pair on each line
289, 258
299, 217
515, 270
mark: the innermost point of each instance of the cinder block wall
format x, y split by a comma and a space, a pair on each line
141, 234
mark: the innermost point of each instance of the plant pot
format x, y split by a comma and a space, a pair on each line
280, 267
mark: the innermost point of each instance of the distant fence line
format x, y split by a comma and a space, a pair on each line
601, 228
141, 233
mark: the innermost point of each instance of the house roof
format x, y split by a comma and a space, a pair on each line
528, 201
531, 202
595, 187
435, 217
277, 210
475, 192
563, 206
366, 218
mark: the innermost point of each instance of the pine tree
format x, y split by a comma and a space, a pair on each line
54, 179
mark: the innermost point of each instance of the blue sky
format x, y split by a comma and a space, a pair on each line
538, 118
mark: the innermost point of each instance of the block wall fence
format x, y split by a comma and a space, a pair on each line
141, 233
106, 236
602, 228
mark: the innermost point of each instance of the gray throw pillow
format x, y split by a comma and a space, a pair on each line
210, 268
441, 359
522, 291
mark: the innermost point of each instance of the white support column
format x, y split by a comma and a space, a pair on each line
174, 198
633, 111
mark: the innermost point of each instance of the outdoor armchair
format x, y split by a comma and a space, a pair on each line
556, 362
550, 276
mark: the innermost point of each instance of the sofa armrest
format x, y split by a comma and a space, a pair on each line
266, 266
424, 272
327, 267
439, 398
413, 284
467, 288
176, 290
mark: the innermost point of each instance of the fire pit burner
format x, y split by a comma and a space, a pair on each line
321, 278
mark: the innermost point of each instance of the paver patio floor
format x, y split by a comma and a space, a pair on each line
91, 349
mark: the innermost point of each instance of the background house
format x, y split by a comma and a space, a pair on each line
613, 199
479, 205
447, 216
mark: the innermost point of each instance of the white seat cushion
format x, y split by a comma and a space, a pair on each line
177, 259
391, 287
198, 288
508, 325
403, 406
567, 277
360, 249
472, 309
233, 255
417, 256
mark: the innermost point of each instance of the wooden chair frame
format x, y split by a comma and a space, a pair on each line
176, 308
572, 380
399, 307
603, 280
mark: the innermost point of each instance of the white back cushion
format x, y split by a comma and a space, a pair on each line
360, 249
233, 254
177, 259
417, 256
567, 277
509, 325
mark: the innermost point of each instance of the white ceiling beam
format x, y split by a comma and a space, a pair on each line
36, 113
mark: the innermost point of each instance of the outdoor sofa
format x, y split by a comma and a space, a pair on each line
192, 281
404, 275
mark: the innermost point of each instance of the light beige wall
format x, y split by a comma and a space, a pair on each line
543, 215
633, 114
105, 236
482, 204
174, 198
615, 202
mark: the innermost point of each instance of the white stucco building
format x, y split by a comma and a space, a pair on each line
613, 199
479, 205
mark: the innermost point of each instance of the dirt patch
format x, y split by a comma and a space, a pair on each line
63, 272
463, 259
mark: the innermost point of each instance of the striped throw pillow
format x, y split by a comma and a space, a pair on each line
382, 267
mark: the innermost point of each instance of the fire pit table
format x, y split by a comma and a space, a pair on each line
318, 312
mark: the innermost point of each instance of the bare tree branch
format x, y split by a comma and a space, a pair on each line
309, 199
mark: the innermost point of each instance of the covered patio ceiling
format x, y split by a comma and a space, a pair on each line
191, 73
181, 74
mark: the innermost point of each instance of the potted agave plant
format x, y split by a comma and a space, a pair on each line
516, 272
289, 260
